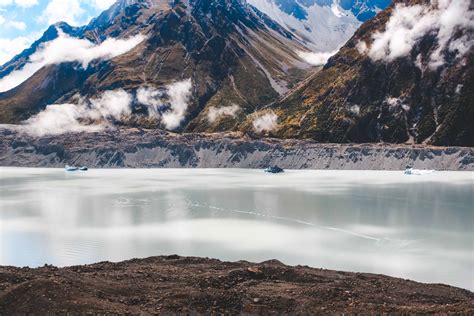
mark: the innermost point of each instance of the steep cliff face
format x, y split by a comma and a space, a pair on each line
406, 76
136, 148
232, 56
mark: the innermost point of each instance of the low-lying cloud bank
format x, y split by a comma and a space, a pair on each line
216, 113
112, 106
170, 104
316, 58
69, 49
152, 98
408, 24
86, 116
179, 94
265, 123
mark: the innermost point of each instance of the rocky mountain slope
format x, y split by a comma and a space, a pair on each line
232, 56
406, 76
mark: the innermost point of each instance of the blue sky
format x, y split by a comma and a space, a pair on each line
23, 21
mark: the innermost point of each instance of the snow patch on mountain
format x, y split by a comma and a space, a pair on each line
324, 28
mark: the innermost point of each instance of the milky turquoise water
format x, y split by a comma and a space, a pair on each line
416, 227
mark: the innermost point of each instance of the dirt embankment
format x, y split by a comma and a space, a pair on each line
185, 285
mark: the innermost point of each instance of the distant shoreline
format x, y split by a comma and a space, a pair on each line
134, 148
183, 285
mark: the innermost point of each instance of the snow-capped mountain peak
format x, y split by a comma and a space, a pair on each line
324, 25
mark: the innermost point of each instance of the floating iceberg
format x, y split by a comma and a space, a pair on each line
70, 168
274, 169
74, 168
417, 172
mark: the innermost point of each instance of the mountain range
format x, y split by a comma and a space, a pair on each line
232, 55
228, 65
390, 83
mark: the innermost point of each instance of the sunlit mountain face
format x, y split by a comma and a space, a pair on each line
403, 77
186, 65
324, 25
362, 9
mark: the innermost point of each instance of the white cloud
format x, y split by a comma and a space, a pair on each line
99, 113
94, 115
19, 25
362, 47
10, 48
179, 94
69, 49
103, 4
316, 59
5, 2
215, 112
169, 104
265, 123
151, 97
58, 119
68, 11
408, 24
20, 3
26, 3
111, 105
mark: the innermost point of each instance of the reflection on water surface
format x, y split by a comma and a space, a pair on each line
417, 227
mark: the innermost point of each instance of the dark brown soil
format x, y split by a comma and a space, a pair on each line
186, 285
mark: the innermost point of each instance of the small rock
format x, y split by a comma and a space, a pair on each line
254, 270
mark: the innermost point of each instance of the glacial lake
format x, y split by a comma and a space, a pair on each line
414, 227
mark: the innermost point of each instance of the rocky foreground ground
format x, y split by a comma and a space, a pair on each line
187, 285
137, 148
